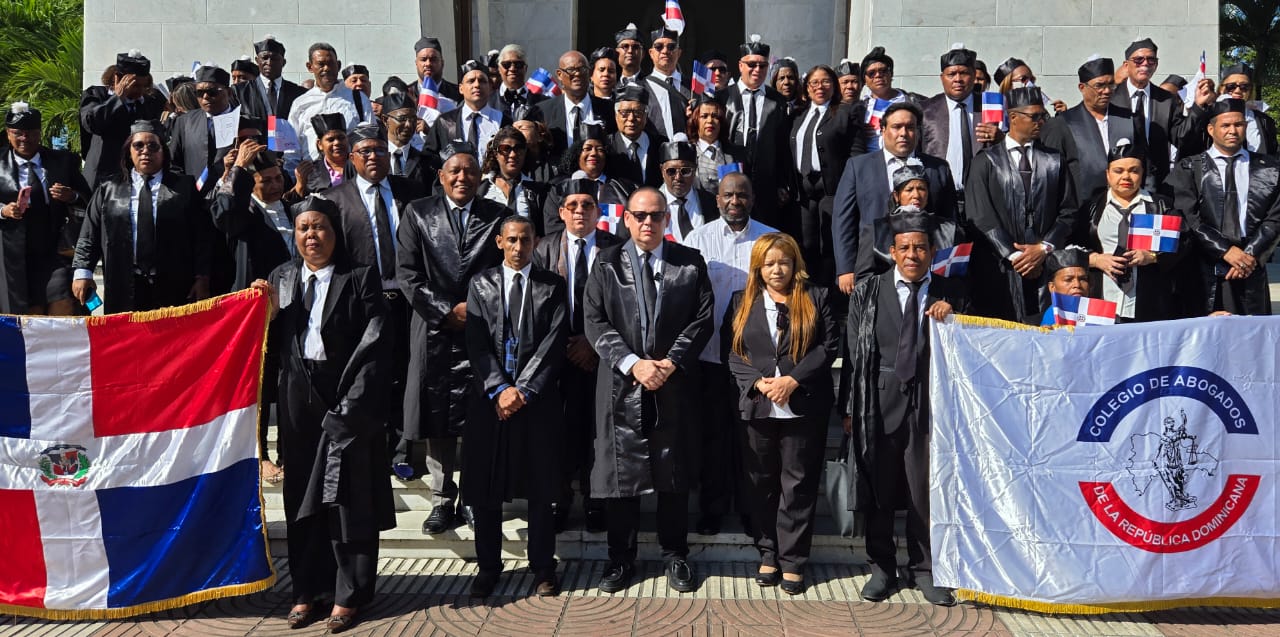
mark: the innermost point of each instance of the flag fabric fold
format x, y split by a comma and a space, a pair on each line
1082, 310
953, 261
129, 460
1154, 233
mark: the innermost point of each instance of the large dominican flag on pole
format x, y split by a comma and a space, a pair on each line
1122, 468
129, 460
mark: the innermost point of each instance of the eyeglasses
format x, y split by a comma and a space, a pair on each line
756, 65
657, 215
1142, 60
632, 113
371, 152
507, 149
577, 70
1234, 86
407, 118
141, 146
818, 83
1024, 79
1102, 87
683, 171
1035, 117
209, 92
630, 47
879, 73
665, 47
512, 64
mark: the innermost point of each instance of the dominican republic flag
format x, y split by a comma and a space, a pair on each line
1082, 310
540, 82
673, 16
129, 455
1188, 92
878, 107
280, 135
610, 218
204, 176
992, 108
724, 170
1154, 233
702, 83
430, 103
953, 261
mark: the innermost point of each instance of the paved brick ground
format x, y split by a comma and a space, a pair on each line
428, 597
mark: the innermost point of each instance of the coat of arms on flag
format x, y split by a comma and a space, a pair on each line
1082, 310
1154, 233
90, 532
953, 261
610, 218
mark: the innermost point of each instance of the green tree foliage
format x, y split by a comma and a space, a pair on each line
41, 53
1249, 31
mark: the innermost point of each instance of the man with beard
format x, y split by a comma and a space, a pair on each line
428, 59
474, 121
952, 129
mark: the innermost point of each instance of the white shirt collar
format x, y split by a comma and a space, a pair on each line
1143, 196
1243, 153
138, 177
1012, 144
888, 157
659, 74
323, 275
365, 183
1133, 90
898, 278
466, 208
656, 252
35, 159
508, 273
742, 86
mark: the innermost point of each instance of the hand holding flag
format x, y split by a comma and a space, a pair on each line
1082, 310
992, 108
1188, 92
702, 83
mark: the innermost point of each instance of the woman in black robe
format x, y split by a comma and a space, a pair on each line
334, 358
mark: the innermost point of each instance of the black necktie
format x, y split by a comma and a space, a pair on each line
382, 233
1024, 171
146, 246
650, 290
686, 225
671, 81
806, 144
784, 330
966, 140
633, 152
37, 187
1231, 204
576, 122
1140, 120
751, 119
1125, 278
905, 363
473, 130
457, 224
397, 162
272, 97
514, 301
579, 285
309, 294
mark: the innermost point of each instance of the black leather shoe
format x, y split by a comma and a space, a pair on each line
933, 594
484, 583
708, 524
596, 521
792, 587
467, 516
440, 520
765, 580
680, 576
879, 587
617, 577
545, 583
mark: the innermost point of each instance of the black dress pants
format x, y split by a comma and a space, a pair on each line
624, 522
721, 480
541, 543
783, 459
900, 474
321, 564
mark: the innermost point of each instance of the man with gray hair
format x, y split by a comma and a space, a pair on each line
512, 97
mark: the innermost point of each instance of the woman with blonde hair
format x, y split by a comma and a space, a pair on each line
782, 345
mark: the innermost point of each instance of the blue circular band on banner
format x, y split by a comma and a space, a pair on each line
1163, 382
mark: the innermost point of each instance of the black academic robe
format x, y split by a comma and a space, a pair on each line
422, 168
1000, 214
191, 145
1198, 193
935, 128
319, 181
520, 105
812, 371
556, 117
357, 231
256, 246
863, 196
252, 98
768, 160
621, 165
518, 457
1075, 134
1168, 125
840, 135
612, 191
1153, 280
449, 127
107, 119
332, 412
635, 456
874, 393
184, 241
434, 263
551, 250
535, 194
677, 98
709, 164
29, 246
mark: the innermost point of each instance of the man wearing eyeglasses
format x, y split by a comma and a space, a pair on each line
646, 380
512, 97
757, 119
689, 208
1086, 132
718, 64
632, 152
667, 108
564, 115
1158, 118
1022, 201
400, 116
192, 144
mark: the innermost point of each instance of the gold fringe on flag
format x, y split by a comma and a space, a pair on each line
58, 614
1048, 608
982, 321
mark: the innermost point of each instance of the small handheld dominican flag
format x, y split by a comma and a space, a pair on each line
1082, 310
610, 218
673, 16
953, 261
728, 169
702, 84
280, 135
1188, 92
430, 103
878, 107
1155, 233
204, 175
540, 82
992, 108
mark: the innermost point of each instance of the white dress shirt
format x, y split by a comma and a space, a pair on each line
136, 181
692, 210
508, 279
264, 88
1104, 131
758, 98
1109, 238
367, 195
312, 344
814, 115
664, 104
771, 317
571, 259
1252, 134
25, 166
955, 138
892, 163
585, 115
903, 289
488, 124
279, 219
728, 257
314, 102
655, 262
1146, 103
1242, 180
1016, 149
643, 146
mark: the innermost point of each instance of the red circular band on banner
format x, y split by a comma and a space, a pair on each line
1171, 537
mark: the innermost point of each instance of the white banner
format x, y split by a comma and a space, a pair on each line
1129, 466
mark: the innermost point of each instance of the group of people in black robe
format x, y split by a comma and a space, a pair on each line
627, 288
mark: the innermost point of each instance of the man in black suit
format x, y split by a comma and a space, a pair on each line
516, 329
400, 116
1078, 132
428, 59
757, 119
863, 195
106, 113
1230, 198
442, 242
34, 277
669, 99
372, 204
888, 393
952, 127
474, 121
571, 253
1157, 115
565, 115
632, 153
687, 207
650, 363
270, 94
193, 146
1022, 205
511, 97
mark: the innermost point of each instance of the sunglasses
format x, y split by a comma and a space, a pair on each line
512, 64
1233, 87
208, 92
507, 149
665, 47
683, 171
1142, 60
141, 146
756, 65
717, 68
1035, 117
577, 70
646, 216
879, 73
